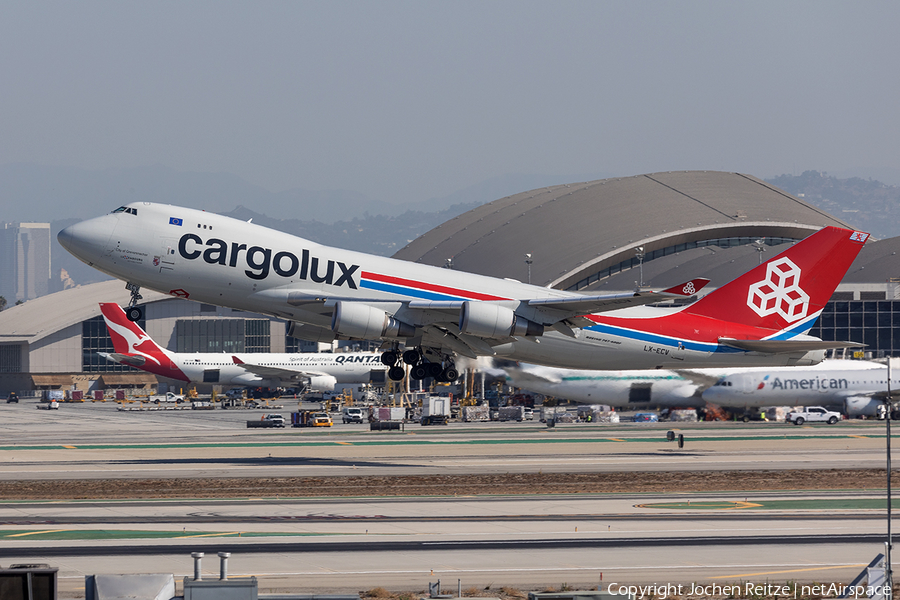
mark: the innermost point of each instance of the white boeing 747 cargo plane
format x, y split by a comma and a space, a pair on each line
321, 371
760, 318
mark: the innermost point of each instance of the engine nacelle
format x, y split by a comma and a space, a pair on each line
322, 383
364, 322
484, 319
862, 406
310, 333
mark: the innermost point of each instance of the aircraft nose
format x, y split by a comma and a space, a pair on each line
86, 240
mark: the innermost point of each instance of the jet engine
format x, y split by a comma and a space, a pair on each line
857, 406
484, 319
364, 322
322, 383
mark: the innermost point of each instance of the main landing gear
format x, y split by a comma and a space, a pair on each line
134, 312
442, 372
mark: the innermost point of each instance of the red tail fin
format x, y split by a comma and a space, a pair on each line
127, 337
789, 290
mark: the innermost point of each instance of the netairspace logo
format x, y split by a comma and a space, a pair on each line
747, 589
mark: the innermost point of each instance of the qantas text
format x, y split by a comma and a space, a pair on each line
261, 261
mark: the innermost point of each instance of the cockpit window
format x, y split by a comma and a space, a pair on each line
125, 209
120, 209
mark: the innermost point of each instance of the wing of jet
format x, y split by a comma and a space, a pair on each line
268, 372
702, 379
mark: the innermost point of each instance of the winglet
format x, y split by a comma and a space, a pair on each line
689, 288
236, 360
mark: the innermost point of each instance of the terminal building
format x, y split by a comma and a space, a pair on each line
653, 230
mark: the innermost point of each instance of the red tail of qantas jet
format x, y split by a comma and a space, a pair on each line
322, 371
761, 318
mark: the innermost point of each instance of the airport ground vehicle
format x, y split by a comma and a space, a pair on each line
321, 419
167, 397
12, 398
234, 393
310, 418
435, 410
813, 414
268, 420
511, 413
528, 413
645, 417
353, 414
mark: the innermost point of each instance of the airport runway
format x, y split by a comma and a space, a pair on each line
351, 544
96, 441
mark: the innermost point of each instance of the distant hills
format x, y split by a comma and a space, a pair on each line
866, 204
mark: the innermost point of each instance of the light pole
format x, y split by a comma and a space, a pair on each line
528, 262
639, 253
888, 571
760, 246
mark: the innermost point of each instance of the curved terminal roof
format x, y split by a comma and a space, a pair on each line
580, 233
36, 319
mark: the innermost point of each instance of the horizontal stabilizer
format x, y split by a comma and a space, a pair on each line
785, 346
124, 359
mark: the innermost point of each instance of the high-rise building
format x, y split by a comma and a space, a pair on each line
24, 261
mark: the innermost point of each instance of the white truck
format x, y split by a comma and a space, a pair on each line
166, 398
813, 414
435, 410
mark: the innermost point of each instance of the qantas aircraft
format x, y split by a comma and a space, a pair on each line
322, 371
859, 387
760, 318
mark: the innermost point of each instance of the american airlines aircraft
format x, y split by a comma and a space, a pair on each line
760, 318
859, 387
322, 371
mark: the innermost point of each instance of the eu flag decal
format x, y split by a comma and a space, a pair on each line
176, 221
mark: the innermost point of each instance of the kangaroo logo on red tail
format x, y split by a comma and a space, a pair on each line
780, 292
132, 335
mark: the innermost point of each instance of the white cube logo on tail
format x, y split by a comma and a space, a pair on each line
779, 292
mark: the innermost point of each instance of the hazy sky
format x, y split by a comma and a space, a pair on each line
404, 101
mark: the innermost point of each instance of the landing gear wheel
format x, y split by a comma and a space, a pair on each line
434, 369
412, 357
134, 313
419, 372
396, 373
389, 358
450, 374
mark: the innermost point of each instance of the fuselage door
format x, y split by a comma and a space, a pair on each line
168, 252
639, 392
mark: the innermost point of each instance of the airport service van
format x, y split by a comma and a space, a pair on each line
354, 414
